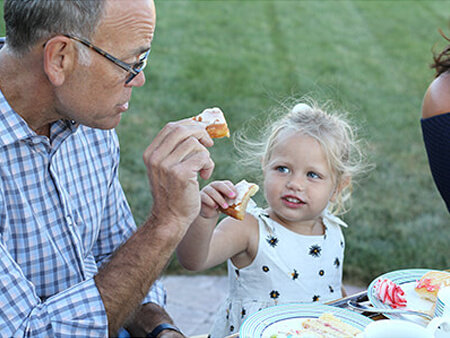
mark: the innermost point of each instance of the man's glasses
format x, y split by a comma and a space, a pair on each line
134, 70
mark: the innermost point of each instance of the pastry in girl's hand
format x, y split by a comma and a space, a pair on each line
215, 122
429, 285
238, 206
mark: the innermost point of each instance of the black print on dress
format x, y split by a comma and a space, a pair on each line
325, 234
315, 250
265, 268
331, 288
337, 263
315, 298
229, 310
237, 272
294, 275
274, 294
273, 241
231, 328
342, 244
243, 313
321, 273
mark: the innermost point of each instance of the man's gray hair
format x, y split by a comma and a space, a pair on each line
30, 21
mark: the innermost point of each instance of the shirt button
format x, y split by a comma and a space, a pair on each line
69, 219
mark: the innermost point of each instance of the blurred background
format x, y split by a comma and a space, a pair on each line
371, 58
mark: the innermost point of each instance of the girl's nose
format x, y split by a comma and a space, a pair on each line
296, 184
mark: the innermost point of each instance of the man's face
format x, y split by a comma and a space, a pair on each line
96, 95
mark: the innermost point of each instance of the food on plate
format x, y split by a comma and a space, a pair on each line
429, 285
238, 205
390, 293
215, 122
326, 325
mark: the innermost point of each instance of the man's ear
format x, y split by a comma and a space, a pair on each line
59, 59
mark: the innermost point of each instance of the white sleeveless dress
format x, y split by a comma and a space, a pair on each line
288, 267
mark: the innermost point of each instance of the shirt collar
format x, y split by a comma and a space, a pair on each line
13, 127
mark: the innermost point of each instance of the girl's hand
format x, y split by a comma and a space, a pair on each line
215, 194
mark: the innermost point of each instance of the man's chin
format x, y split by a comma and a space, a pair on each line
107, 124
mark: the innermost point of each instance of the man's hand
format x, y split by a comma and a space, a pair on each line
170, 334
174, 160
147, 318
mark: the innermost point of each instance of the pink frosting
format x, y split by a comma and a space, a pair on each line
390, 293
426, 283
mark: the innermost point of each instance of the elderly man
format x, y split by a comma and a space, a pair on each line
72, 262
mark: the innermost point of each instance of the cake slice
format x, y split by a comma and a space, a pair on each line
328, 325
429, 285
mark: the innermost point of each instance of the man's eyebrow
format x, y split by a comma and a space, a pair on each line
141, 50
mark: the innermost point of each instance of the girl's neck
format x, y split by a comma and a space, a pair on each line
313, 227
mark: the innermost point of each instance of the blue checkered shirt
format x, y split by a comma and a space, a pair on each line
62, 214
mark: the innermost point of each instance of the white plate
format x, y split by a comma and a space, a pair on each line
272, 320
406, 279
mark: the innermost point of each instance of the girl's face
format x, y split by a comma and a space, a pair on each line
298, 182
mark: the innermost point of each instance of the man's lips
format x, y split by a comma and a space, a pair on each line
123, 107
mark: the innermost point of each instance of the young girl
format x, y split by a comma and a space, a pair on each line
293, 250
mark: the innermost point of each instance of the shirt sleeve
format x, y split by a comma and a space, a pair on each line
118, 225
436, 131
75, 312
157, 294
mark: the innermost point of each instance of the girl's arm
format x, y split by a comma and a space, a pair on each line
204, 245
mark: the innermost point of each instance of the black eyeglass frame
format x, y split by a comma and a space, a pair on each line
134, 70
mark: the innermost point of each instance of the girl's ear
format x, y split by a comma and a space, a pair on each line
344, 182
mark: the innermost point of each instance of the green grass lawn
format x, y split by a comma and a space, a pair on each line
370, 57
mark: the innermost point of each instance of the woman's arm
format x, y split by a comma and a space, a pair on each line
436, 130
437, 97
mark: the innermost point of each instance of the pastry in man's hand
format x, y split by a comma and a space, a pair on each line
215, 122
238, 206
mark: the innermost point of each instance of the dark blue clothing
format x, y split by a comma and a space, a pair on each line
436, 135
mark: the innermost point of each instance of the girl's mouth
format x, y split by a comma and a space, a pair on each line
292, 201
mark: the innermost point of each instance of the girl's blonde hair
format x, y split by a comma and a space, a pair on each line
333, 131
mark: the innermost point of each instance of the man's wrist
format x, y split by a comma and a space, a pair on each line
161, 327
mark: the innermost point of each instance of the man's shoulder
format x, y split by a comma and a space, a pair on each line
98, 135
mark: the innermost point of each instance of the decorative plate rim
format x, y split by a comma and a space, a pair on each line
399, 277
255, 325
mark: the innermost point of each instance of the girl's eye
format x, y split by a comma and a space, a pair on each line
312, 174
282, 169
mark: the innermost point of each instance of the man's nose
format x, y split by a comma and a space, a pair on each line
138, 80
